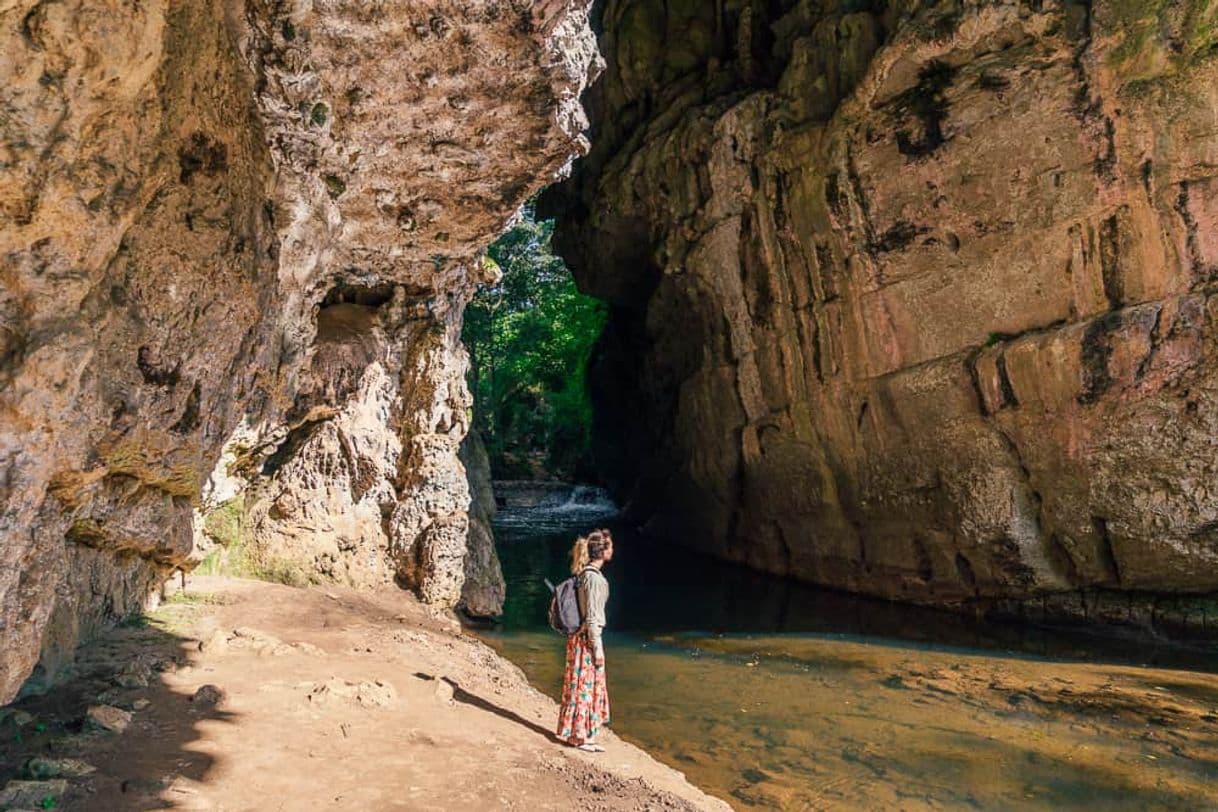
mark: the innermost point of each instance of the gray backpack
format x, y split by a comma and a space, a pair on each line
564, 606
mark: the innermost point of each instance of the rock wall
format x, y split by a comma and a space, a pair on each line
484, 589
244, 232
912, 299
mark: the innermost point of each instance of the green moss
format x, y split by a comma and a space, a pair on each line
224, 524
1143, 51
212, 564
146, 465
334, 185
189, 598
238, 557
282, 571
1135, 21
319, 114
997, 338
87, 532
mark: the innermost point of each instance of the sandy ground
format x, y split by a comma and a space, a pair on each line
320, 699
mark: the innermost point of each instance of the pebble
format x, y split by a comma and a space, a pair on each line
107, 718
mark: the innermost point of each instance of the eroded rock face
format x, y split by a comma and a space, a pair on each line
484, 589
250, 228
913, 301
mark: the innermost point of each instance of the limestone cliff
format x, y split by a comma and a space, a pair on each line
913, 299
243, 233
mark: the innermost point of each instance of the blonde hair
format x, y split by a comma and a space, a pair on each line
579, 555
589, 548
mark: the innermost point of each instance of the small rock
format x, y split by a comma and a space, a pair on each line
107, 718
444, 692
31, 794
216, 643
131, 681
19, 718
207, 695
41, 769
140, 704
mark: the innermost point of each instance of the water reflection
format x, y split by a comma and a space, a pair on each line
662, 588
773, 694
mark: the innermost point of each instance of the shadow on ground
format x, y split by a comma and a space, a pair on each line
47, 736
473, 700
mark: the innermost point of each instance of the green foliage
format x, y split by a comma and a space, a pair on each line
530, 337
223, 525
190, 598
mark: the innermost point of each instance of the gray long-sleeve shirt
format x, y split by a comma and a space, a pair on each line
593, 595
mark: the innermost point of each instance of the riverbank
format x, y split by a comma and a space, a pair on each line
775, 695
241, 694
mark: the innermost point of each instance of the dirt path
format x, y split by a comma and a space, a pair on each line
321, 699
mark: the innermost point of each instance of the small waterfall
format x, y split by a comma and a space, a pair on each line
552, 507
581, 499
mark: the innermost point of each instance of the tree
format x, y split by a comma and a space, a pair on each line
530, 338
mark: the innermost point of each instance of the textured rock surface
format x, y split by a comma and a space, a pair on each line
484, 589
911, 298
249, 229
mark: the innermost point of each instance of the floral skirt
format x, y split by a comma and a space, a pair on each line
585, 699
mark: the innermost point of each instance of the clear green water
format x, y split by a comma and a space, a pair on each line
771, 694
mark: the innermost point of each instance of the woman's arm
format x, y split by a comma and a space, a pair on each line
597, 595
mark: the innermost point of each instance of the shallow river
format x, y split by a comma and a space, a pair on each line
772, 694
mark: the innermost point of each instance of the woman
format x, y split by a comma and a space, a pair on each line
585, 699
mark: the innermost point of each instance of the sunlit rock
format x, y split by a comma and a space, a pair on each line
912, 302
251, 228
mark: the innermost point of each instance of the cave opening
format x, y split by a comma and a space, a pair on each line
530, 336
